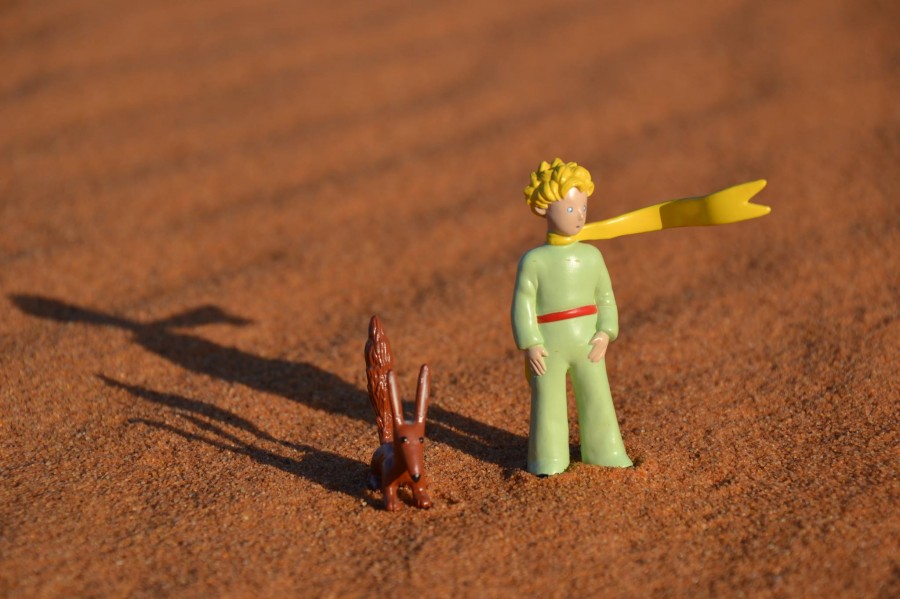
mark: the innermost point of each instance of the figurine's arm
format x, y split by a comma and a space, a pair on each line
608, 314
524, 315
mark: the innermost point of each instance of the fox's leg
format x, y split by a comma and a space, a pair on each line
422, 498
390, 498
375, 470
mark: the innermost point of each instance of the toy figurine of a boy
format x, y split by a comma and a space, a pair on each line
564, 314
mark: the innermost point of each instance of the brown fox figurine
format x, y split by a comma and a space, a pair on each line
400, 460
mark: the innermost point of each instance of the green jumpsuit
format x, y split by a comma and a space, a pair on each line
554, 279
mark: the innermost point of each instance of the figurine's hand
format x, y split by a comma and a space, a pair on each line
600, 341
536, 359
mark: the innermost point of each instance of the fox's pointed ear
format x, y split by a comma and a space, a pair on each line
422, 393
396, 404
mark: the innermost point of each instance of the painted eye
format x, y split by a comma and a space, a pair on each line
421, 439
404, 440
569, 209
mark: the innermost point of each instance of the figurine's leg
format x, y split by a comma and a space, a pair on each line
374, 474
601, 441
548, 440
375, 468
422, 498
391, 503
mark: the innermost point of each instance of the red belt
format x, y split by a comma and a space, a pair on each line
566, 314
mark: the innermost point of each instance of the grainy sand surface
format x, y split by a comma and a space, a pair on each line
202, 204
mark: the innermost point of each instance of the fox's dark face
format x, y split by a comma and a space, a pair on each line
409, 441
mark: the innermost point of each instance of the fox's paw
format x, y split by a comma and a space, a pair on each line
423, 500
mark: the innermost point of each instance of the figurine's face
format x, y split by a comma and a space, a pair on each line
566, 216
411, 439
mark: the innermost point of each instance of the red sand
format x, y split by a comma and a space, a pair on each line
202, 204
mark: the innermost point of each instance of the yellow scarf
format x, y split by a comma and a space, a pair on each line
727, 206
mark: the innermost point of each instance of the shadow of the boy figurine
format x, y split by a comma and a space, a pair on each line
296, 381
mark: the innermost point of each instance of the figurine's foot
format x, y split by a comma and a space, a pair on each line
610, 460
547, 468
392, 506
423, 501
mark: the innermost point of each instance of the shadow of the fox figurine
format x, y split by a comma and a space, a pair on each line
400, 459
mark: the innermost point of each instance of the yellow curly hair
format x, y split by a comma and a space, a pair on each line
551, 182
